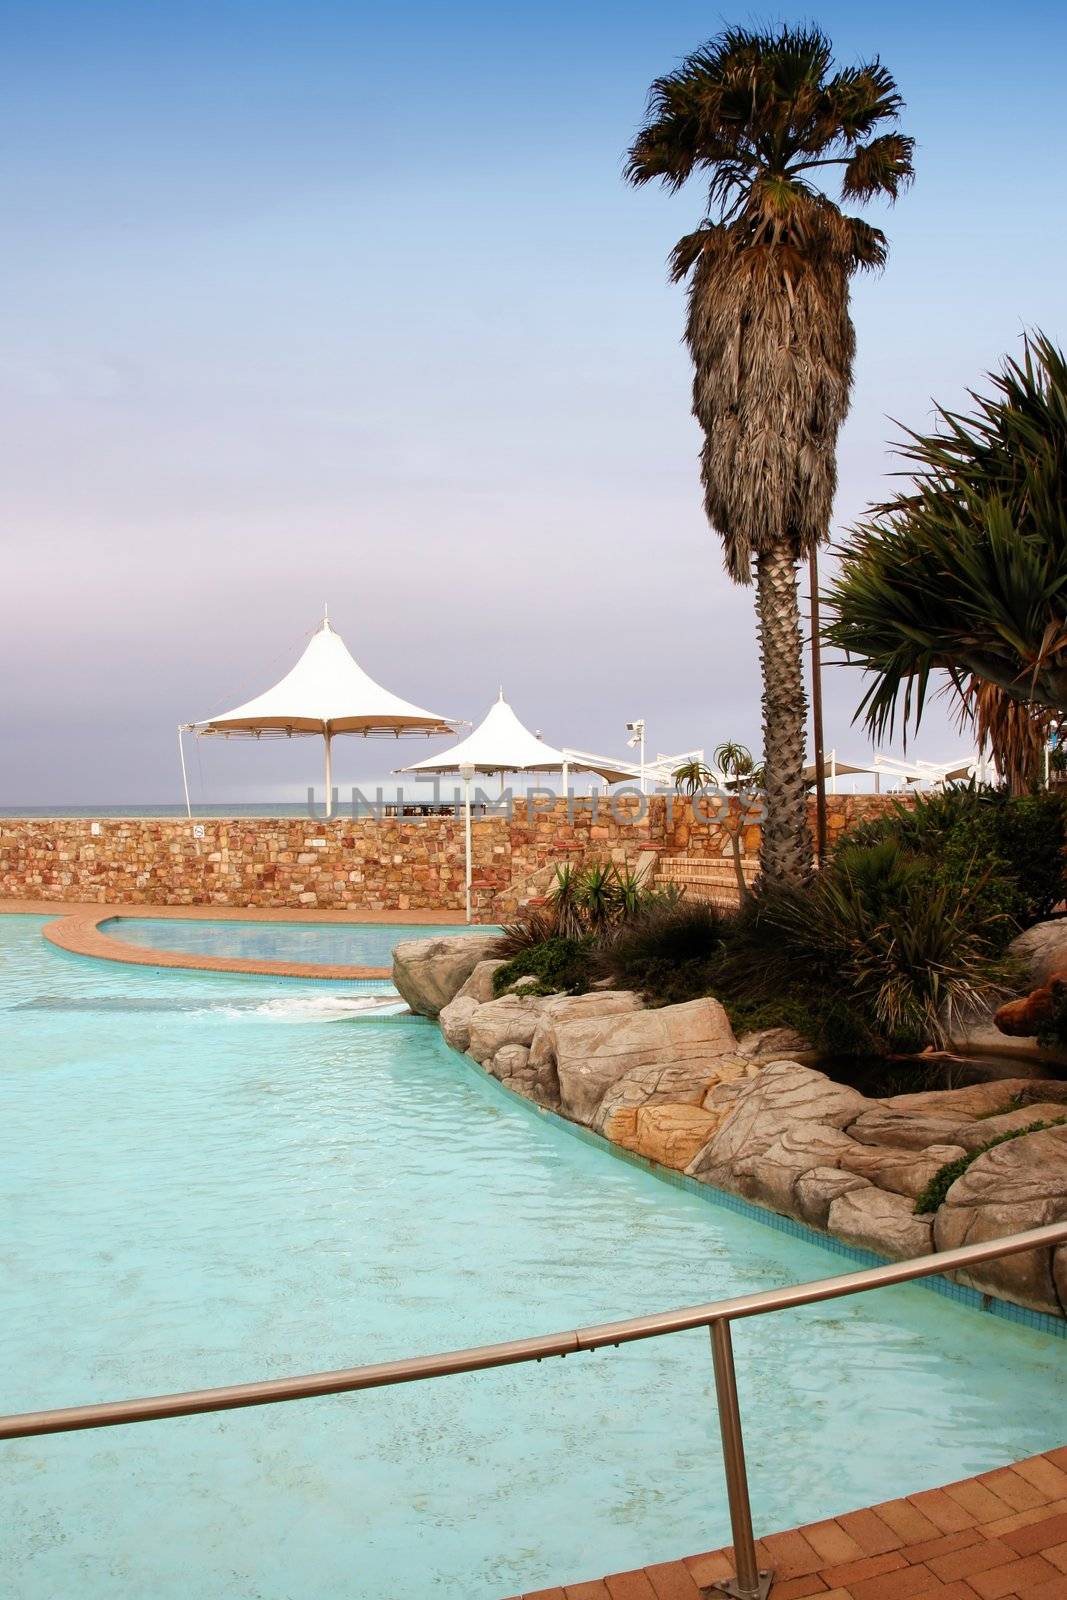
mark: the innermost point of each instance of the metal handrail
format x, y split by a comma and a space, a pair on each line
716, 1315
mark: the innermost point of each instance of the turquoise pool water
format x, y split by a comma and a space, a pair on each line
364, 944
208, 1179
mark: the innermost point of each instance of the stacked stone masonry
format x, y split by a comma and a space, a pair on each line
377, 864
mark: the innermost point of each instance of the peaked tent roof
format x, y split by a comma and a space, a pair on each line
500, 743
327, 691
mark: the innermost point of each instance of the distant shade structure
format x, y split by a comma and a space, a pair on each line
501, 743
327, 692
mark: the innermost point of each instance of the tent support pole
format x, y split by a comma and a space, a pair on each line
467, 839
326, 739
467, 773
185, 779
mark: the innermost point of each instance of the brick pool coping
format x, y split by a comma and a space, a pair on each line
999, 1535
77, 930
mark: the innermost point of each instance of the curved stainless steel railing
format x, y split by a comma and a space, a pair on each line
750, 1583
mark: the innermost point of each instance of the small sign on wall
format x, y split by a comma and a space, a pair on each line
94, 827
198, 830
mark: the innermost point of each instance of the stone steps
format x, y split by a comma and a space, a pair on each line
706, 878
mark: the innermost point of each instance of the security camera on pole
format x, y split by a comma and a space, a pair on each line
636, 730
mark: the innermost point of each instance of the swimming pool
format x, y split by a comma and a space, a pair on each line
362, 944
193, 1193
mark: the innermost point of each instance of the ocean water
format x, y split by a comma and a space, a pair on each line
208, 1179
365, 944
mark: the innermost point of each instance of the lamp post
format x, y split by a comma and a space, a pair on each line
636, 730
466, 772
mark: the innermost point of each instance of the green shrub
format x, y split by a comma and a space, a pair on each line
1007, 850
666, 953
532, 927
934, 1194
558, 964
880, 957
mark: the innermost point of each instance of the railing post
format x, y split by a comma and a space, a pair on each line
750, 1583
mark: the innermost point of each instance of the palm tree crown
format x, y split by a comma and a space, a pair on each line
761, 116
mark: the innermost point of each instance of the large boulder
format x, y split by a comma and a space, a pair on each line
985, 1099
512, 1025
479, 986
670, 1134
814, 1192
455, 1018
681, 1045
1017, 1185
979, 1133
1042, 950
771, 1175
774, 1044
511, 1065
512, 1019
871, 1219
686, 1082
901, 1171
781, 1097
883, 1124
430, 972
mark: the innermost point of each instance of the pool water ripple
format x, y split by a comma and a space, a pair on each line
192, 1194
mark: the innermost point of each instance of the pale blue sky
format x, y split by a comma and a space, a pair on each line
318, 300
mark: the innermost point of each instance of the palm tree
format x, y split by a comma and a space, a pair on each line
692, 776
964, 571
1016, 732
768, 328
744, 776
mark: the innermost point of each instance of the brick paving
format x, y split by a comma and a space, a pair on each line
77, 929
999, 1536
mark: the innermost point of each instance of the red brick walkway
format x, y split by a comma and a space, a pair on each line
1002, 1534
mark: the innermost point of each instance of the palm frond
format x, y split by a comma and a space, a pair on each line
964, 571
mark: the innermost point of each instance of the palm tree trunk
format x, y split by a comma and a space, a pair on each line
785, 852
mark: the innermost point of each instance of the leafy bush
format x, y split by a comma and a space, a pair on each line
530, 929
667, 951
1008, 849
881, 957
934, 1194
559, 965
901, 932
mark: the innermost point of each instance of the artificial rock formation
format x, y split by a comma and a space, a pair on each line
1016, 1185
675, 1086
430, 972
1043, 951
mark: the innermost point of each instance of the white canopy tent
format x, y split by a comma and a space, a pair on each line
500, 743
327, 692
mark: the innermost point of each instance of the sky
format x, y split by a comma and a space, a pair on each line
310, 301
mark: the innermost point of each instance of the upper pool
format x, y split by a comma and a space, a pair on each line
192, 1194
348, 944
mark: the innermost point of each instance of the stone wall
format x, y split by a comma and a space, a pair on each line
379, 864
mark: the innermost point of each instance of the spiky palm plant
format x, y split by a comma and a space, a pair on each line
743, 776
760, 115
965, 570
692, 776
